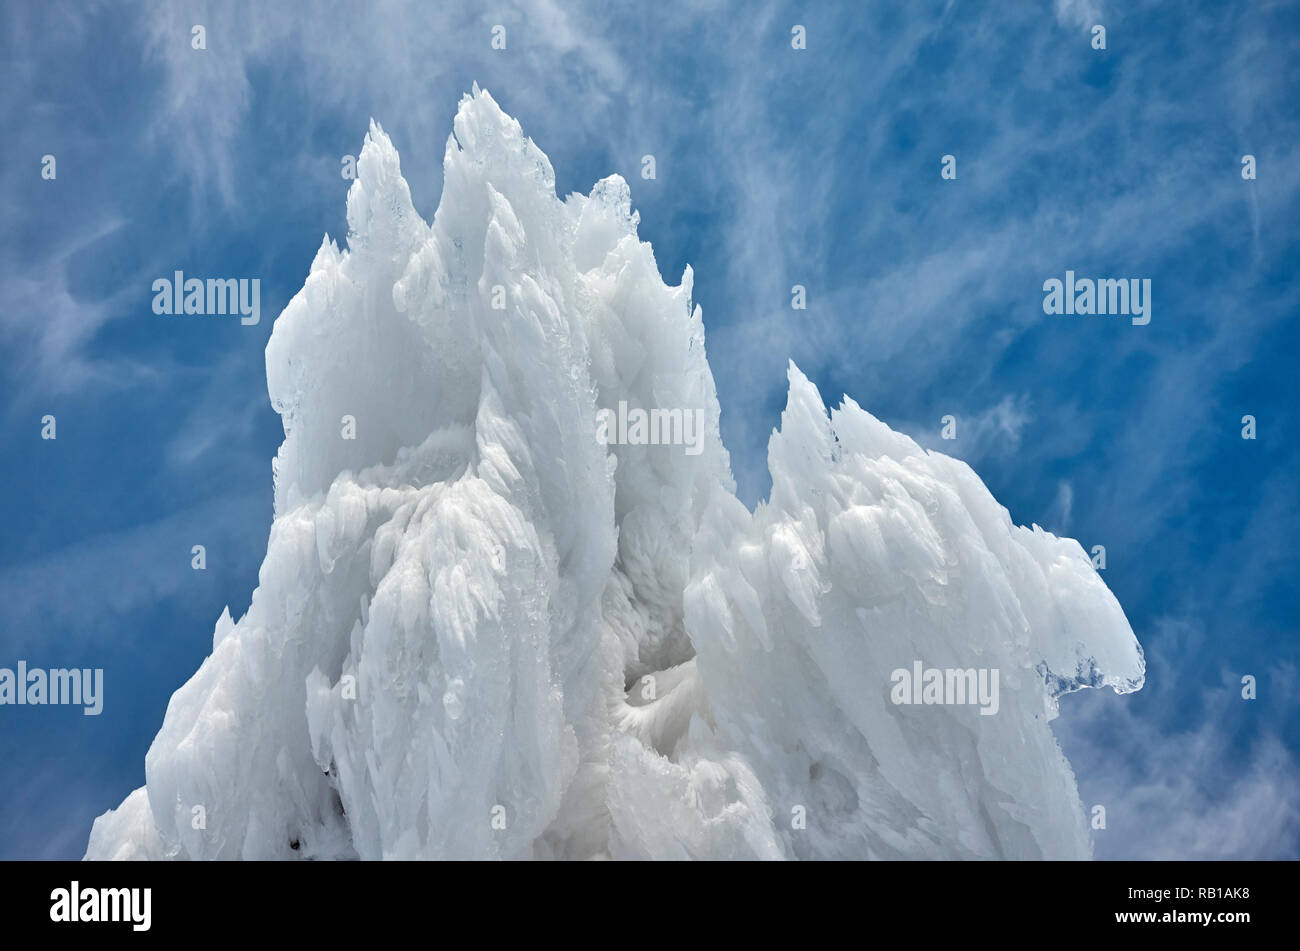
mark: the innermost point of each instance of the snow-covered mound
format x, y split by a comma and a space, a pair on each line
483, 630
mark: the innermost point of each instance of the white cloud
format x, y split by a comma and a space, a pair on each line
1180, 788
1058, 519
1080, 13
981, 435
46, 327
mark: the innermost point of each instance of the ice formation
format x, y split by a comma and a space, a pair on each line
480, 632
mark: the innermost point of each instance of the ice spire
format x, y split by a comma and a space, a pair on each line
482, 631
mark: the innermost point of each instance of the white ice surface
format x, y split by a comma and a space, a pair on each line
480, 632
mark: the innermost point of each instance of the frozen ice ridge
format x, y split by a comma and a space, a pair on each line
482, 630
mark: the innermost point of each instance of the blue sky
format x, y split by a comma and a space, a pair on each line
774, 167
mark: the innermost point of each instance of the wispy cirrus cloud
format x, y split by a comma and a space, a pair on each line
1220, 783
818, 167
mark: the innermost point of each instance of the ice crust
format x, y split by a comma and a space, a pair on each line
479, 632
